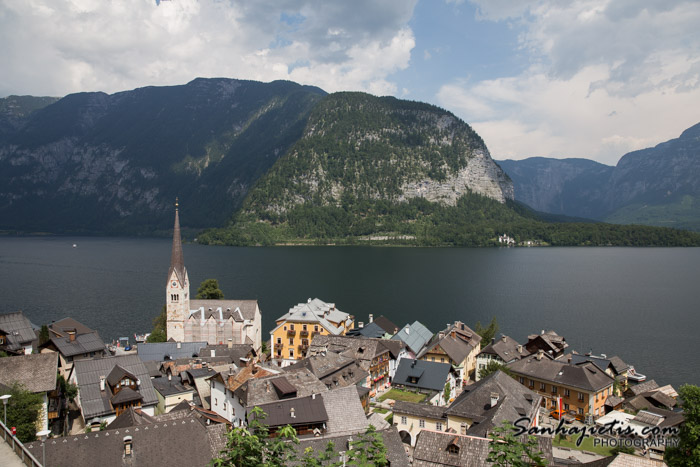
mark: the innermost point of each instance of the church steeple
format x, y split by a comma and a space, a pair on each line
177, 262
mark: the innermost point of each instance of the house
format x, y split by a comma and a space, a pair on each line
223, 385
434, 448
334, 370
614, 366
295, 330
72, 347
475, 412
457, 345
583, 388
385, 323
187, 441
37, 374
299, 382
502, 351
415, 336
17, 335
62, 327
170, 393
107, 386
395, 453
549, 342
371, 330
213, 321
198, 379
372, 354
425, 376
397, 351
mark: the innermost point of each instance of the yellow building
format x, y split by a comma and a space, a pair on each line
295, 330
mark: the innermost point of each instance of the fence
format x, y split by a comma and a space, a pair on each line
19, 449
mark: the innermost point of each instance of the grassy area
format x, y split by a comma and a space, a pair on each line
586, 445
379, 410
399, 395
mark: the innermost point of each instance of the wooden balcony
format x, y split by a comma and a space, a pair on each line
304, 333
291, 332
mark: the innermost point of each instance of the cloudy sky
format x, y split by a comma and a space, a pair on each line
553, 78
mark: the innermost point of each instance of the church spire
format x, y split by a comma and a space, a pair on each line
177, 262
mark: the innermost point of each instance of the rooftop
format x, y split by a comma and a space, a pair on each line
261, 390
415, 336
428, 375
506, 348
36, 372
239, 310
318, 311
18, 329
81, 344
586, 376
161, 351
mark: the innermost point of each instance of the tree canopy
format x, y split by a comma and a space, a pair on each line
209, 290
687, 453
507, 450
23, 412
487, 333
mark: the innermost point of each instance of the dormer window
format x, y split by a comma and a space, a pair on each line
453, 449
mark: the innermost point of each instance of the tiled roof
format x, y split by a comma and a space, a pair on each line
360, 348
345, 412
126, 395
117, 373
333, 369
626, 460
415, 336
642, 387
167, 387
261, 391
60, 327
372, 330
93, 401
514, 401
318, 311
161, 351
81, 345
131, 417
586, 376
506, 348
36, 372
454, 347
18, 329
618, 364
419, 410
386, 324
153, 444
296, 411
239, 310
431, 375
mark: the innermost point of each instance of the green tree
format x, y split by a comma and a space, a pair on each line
69, 390
160, 323
209, 290
252, 446
369, 450
493, 366
447, 392
487, 333
687, 453
23, 412
44, 334
509, 451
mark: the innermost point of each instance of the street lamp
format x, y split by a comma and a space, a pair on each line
4, 402
42, 435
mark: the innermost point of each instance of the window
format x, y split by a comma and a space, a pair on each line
532, 384
291, 341
442, 360
580, 411
216, 401
463, 428
304, 327
580, 396
279, 340
291, 327
554, 389
566, 406
285, 328
421, 423
316, 327
291, 352
522, 380
438, 426
567, 393
432, 358
224, 405
543, 386
403, 420
453, 449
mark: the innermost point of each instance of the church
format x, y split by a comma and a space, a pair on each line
213, 321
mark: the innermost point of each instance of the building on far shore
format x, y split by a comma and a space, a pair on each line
213, 321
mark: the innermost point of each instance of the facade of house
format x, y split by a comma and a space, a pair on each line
37, 374
294, 331
108, 386
223, 385
170, 393
583, 388
549, 342
457, 345
503, 351
74, 347
17, 335
212, 321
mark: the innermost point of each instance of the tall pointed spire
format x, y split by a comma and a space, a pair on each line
177, 262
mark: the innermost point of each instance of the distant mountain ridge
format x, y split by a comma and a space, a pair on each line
654, 186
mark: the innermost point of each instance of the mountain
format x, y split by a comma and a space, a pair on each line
390, 171
15, 110
93, 162
654, 186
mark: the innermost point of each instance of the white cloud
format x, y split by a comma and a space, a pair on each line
606, 77
54, 47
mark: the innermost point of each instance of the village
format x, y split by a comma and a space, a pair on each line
435, 396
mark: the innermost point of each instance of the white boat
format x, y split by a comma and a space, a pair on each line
75, 245
632, 375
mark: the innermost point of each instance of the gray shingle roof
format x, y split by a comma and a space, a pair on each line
586, 376
318, 311
419, 410
642, 387
297, 411
96, 403
333, 369
386, 324
167, 387
506, 348
83, 344
415, 336
455, 348
431, 375
60, 327
36, 372
185, 442
172, 350
261, 391
360, 348
18, 329
369, 330
345, 412
237, 309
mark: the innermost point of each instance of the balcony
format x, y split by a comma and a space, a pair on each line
304, 333
291, 332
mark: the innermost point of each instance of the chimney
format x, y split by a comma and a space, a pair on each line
291, 413
213, 352
371, 317
71, 335
493, 340
453, 333
230, 343
102, 383
396, 330
569, 359
441, 334
540, 353
413, 363
170, 377
542, 332
127, 446
179, 345
503, 337
308, 300
520, 349
494, 399
362, 324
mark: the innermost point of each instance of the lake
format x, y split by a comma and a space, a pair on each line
638, 303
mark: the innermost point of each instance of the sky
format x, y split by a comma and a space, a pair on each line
551, 78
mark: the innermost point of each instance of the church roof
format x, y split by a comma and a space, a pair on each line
177, 261
239, 310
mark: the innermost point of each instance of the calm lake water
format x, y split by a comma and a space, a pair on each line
638, 303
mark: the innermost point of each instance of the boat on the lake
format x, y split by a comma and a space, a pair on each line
632, 375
